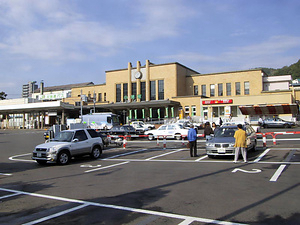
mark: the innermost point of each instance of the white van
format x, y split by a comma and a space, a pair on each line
102, 121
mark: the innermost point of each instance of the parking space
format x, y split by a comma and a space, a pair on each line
147, 184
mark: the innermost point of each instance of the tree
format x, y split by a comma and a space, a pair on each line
2, 95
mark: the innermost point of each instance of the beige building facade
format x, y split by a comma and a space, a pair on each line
160, 93
167, 91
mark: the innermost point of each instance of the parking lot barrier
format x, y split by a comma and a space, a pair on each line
165, 142
264, 140
157, 141
124, 142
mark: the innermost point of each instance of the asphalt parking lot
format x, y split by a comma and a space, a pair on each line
147, 184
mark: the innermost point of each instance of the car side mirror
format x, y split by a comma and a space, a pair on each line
75, 140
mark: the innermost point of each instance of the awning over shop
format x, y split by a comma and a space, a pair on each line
269, 109
134, 105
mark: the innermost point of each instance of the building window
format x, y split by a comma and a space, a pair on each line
186, 109
99, 97
125, 92
161, 90
152, 90
212, 90
203, 90
246, 88
143, 91
220, 89
195, 89
133, 91
237, 88
228, 89
118, 92
194, 110
105, 96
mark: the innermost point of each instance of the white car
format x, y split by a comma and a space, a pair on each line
168, 131
137, 124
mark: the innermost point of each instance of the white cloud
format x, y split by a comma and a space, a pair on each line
50, 29
270, 53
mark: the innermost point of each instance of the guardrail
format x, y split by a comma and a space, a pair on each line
274, 135
164, 137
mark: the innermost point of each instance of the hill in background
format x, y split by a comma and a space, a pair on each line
293, 70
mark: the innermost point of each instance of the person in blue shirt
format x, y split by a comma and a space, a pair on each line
192, 138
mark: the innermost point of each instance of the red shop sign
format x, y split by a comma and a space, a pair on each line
211, 102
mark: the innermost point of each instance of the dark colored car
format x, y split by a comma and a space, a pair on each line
277, 123
124, 130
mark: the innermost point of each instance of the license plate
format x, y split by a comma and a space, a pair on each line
39, 154
221, 150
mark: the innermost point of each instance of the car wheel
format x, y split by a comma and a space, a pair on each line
41, 162
96, 152
63, 158
286, 126
178, 136
265, 126
150, 137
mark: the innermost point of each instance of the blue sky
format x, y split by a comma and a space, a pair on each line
75, 41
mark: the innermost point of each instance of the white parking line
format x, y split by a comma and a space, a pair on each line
277, 173
9, 196
261, 155
282, 167
56, 215
168, 153
130, 209
102, 168
5, 174
128, 153
203, 157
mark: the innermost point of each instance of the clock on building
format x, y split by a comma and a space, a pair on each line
138, 75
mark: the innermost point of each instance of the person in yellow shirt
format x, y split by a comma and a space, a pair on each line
240, 143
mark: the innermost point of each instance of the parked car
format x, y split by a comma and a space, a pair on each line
105, 139
277, 123
222, 141
233, 123
124, 130
168, 130
139, 127
184, 122
69, 143
140, 123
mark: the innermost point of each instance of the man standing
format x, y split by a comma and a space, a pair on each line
192, 138
240, 143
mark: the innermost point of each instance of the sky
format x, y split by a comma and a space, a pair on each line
75, 41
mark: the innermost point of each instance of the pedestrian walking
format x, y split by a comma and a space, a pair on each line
192, 139
207, 130
240, 143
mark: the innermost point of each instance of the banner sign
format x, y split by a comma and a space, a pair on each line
212, 102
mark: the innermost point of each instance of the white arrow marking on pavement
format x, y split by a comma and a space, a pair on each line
246, 171
89, 165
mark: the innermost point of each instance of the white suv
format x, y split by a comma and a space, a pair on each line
69, 143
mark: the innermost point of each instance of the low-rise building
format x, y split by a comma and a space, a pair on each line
164, 92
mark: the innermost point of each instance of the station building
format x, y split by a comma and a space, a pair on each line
166, 91
162, 92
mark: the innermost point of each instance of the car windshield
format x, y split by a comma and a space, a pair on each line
64, 137
225, 132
